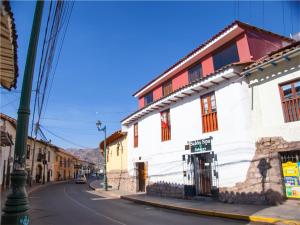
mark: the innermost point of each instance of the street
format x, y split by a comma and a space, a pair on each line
76, 204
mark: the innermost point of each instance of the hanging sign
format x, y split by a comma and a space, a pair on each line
201, 145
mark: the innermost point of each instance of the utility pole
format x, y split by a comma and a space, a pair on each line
98, 125
17, 205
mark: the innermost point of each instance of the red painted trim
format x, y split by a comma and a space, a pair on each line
141, 102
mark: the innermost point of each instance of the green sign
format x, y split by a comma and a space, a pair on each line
201, 145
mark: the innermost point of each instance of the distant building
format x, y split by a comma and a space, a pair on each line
64, 165
117, 162
193, 133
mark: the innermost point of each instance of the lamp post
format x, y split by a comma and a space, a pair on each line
16, 206
98, 125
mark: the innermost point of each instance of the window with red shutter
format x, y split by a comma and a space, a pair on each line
209, 113
136, 135
165, 125
290, 99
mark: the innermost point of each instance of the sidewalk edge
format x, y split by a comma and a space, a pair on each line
45, 185
260, 219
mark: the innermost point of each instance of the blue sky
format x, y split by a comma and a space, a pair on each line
113, 48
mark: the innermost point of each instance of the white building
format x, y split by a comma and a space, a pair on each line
196, 122
7, 149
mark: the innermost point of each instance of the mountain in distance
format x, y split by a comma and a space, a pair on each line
88, 154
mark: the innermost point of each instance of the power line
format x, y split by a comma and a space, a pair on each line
64, 139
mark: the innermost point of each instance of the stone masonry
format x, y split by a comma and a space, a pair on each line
120, 180
264, 183
164, 189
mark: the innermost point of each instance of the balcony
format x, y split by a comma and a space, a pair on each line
209, 122
291, 109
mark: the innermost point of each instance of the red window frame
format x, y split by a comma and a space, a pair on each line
165, 125
290, 101
135, 135
209, 113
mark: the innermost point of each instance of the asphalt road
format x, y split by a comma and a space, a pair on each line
76, 204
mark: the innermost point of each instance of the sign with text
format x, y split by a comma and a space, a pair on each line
201, 145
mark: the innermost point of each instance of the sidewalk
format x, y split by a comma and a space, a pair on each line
287, 213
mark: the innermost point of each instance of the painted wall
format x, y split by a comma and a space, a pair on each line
267, 113
117, 162
157, 93
243, 48
207, 66
5, 152
261, 44
180, 80
50, 164
232, 142
141, 102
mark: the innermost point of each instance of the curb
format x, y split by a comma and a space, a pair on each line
44, 186
259, 219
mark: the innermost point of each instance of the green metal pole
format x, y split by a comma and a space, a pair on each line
105, 175
17, 205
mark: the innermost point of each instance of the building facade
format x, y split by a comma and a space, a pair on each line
117, 162
193, 133
7, 148
64, 165
40, 159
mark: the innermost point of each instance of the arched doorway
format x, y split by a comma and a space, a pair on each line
38, 175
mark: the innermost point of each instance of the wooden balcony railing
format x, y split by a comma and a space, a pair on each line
291, 109
165, 133
209, 122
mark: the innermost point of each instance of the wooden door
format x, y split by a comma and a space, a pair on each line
205, 177
142, 175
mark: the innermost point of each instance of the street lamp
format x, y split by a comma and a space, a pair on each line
98, 125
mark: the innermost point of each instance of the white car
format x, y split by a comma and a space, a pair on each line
80, 179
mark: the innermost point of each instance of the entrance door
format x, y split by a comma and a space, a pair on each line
204, 173
142, 175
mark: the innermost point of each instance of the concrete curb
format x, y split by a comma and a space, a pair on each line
259, 219
44, 186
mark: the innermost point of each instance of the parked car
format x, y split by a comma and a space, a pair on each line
80, 179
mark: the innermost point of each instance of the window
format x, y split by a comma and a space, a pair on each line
195, 73
290, 98
65, 162
40, 156
167, 88
226, 56
209, 113
28, 152
135, 135
148, 98
107, 155
49, 156
165, 125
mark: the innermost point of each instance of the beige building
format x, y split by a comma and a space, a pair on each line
40, 159
116, 162
64, 165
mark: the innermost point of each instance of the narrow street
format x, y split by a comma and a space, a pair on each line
76, 204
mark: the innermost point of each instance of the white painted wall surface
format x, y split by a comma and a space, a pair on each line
267, 113
232, 142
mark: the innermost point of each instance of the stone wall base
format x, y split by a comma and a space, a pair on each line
120, 180
164, 189
264, 182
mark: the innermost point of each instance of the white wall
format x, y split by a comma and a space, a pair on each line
267, 113
232, 142
5, 151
